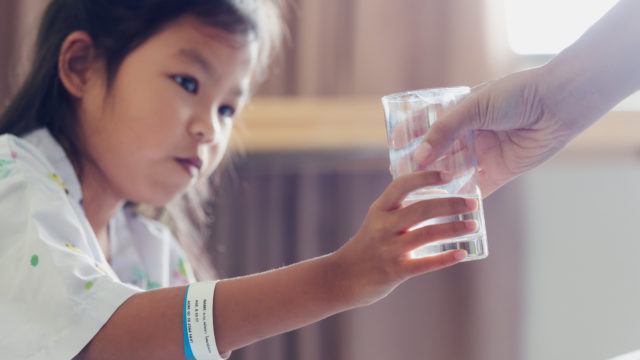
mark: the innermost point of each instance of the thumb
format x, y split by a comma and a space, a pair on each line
454, 123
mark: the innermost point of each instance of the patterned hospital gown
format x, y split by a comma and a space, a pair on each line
56, 287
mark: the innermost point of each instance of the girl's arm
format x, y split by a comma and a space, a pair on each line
251, 308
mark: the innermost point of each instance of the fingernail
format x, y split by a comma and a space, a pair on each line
460, 255
471, 203
422, 152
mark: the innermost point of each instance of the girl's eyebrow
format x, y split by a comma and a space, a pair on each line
196, 57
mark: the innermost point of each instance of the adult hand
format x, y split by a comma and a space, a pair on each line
523, 119
514, 126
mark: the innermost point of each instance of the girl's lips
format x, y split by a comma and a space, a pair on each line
191, 165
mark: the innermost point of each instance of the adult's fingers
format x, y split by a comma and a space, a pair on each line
456, 121
407, 130
459, 120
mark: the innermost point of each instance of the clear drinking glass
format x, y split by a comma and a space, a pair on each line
409, 116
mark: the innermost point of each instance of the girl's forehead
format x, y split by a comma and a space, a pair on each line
193, 40
191, 28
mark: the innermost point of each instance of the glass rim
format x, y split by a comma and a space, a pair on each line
426, 94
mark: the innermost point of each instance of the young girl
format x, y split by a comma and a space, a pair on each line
133, 101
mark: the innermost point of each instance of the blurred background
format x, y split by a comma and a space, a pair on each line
562, 278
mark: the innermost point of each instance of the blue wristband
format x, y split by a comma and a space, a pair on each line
187, 344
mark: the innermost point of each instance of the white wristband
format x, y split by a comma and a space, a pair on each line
199, 339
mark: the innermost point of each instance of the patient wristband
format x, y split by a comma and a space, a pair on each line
199, 339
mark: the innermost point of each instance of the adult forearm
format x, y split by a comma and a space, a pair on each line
251, 308
599, 70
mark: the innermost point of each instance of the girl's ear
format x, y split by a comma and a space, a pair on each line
76, 62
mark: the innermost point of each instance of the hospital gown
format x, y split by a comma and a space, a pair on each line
56, 288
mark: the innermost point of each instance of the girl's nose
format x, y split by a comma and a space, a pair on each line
205, 128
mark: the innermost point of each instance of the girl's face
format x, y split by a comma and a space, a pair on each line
168, 116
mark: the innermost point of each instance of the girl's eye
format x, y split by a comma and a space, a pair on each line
226, 111
188, 83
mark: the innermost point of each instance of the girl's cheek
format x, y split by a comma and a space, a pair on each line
171, 107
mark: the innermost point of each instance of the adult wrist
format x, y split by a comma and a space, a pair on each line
571, 92
599, 70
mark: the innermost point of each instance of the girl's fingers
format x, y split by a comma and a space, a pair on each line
416, 238
423, 265
403, 185
420, 211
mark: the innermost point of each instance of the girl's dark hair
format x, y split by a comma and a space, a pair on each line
117, 27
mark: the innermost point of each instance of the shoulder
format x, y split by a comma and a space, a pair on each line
34, 206
25, 164
21, 151
29, 183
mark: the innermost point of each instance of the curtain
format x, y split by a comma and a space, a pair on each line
338, 47
289, 202
7, 9
18, 29
372, 47
277, 209
274, 209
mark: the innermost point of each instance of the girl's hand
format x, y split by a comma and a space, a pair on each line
377, 258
